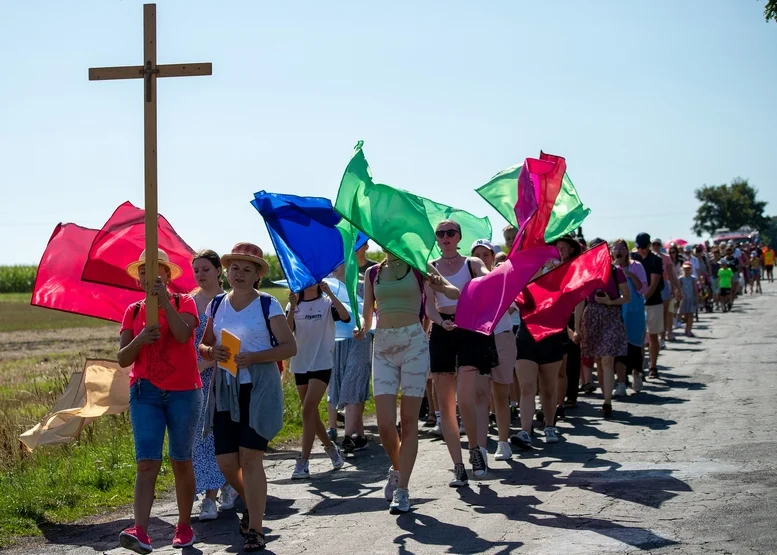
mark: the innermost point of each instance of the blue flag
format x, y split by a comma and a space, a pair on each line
303, 233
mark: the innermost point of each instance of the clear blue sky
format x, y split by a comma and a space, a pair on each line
646, 100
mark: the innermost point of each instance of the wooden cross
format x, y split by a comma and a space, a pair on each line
149, 72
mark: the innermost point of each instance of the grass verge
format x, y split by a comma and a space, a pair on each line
63, 483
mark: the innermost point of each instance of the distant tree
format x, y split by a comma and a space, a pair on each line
769, 235
730, 206
770, 10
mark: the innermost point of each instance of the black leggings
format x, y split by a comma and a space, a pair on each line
573, 371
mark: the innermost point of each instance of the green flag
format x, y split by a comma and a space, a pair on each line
501, 192
349, 233
568, 212
399, 221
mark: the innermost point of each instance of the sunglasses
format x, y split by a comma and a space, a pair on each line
443, 232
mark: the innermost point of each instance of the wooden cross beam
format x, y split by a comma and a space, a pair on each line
149, 72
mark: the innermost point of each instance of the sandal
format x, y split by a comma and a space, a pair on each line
244, 523
254, 541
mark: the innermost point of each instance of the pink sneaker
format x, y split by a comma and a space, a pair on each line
184, 536
135, 539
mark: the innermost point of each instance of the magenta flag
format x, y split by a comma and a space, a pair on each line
58, 282
120, 242
545, 177
485, 299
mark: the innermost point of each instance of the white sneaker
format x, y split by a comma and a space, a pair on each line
208, 510
437, 430
335, 456
620, 390
400, 502
391, 485
662, 344
503, 452
228, 498
301, 470
636, 382
484, 451
551, 435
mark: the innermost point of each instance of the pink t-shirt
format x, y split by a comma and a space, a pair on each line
166, 363
638, 270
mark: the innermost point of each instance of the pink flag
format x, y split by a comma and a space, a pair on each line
546, 176
58, 282
120, 242
547, 303
485, 299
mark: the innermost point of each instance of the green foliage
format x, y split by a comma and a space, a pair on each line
17, 279
770, 10
729, 206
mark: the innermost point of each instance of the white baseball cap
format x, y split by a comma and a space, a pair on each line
483, 243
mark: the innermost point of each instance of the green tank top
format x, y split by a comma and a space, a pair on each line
398, 297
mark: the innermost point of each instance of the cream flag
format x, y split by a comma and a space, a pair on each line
101, 388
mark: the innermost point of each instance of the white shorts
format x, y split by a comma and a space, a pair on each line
400, 359
654, 318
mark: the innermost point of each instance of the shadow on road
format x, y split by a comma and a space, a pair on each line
524, 509
429, 531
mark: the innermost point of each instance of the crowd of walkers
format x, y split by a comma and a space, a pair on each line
221, 409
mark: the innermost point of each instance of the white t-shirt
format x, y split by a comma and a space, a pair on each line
248, 325
314, 330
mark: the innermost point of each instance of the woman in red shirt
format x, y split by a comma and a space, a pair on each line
165, 394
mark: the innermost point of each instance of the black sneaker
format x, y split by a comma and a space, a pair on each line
539, 416
561, 414
459, 476
360, 443
478, 462
514, 414
349, 446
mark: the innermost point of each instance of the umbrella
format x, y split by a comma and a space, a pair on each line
678, 242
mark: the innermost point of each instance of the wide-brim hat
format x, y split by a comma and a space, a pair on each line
574, 244
248, 252
163, 260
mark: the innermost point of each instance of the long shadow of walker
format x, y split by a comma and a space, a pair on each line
523, 508
427, 530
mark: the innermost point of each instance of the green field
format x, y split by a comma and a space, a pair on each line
61, 483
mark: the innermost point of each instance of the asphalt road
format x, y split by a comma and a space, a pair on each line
687, 466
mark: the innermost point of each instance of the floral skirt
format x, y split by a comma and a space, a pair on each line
604, 334
206, 471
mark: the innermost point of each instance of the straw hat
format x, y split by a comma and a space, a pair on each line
163, 260
245, 251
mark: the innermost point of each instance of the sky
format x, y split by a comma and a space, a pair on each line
647, 101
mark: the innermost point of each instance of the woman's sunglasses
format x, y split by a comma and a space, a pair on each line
443, 232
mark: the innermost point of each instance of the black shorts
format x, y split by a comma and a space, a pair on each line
725, 291
450, 350
547, 351
633, 360
229, 436
320, 375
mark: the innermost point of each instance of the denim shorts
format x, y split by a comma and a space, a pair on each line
153, 410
